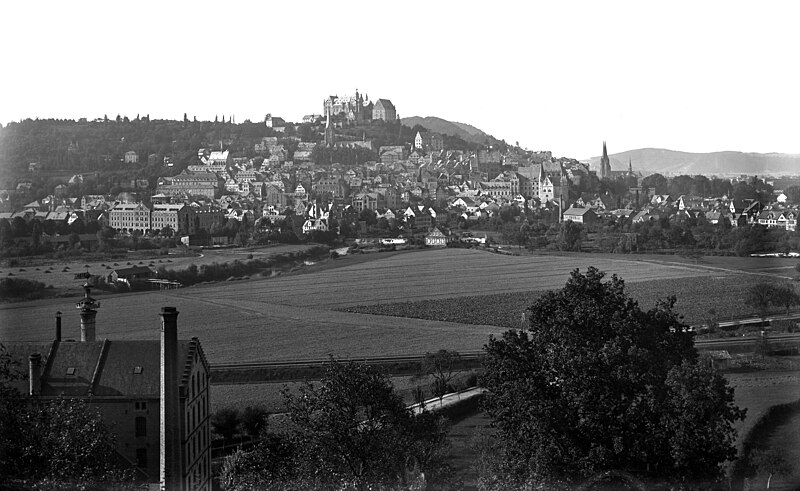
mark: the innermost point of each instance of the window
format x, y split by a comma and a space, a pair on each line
137, 370
71, 371
141, 406
141, 426
141, 457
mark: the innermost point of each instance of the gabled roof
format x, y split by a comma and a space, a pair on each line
103, 368
384, 103
577, 211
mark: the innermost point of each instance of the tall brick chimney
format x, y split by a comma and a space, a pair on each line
170, 443
35, 373
88, 307
58, 326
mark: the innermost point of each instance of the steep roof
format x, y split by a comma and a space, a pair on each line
384, 103
575, 211
103, 368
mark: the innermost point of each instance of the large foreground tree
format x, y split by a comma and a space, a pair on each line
596, 384
351, 430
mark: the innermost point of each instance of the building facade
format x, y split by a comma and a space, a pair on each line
384, 110
153, 394
130, 217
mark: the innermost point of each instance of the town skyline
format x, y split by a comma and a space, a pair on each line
691, 78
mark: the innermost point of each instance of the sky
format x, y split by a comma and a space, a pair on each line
695, 76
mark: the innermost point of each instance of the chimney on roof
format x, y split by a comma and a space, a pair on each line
88, 307
170, 475
35, 373
58, 326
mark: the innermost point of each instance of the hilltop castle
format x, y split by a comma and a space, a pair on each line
359, 108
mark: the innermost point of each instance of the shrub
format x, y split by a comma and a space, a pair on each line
19, 287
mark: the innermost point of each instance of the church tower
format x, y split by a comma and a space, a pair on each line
605, 165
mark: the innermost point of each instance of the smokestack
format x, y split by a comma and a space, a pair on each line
58, 326
35, 373
88, 307
170, 476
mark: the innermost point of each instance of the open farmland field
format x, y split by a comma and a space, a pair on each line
782, 267
695, 297
294, 316
61, 273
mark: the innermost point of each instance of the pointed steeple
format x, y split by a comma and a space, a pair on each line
605, 164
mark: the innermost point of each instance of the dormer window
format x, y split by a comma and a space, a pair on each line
71, 371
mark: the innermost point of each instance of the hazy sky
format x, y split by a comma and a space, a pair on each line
562, 76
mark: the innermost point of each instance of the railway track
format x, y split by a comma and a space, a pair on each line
369, 360
300, 370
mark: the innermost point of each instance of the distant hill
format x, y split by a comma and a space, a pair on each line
464, 131
650, 160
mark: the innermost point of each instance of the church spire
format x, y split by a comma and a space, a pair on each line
605, 164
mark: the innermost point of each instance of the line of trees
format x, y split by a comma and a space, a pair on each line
222, 271
764, 295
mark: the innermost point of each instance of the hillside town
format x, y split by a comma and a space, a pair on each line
282, 188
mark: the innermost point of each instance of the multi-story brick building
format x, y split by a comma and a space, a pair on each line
206, 184
205, 217
333, 185
153, 394
178, 217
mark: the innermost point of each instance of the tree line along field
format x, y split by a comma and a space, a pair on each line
295, 316
61, 273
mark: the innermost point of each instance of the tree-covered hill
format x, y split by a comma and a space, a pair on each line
85, 146
463, 131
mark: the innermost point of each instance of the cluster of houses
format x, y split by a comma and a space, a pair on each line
413, 185
778, 214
